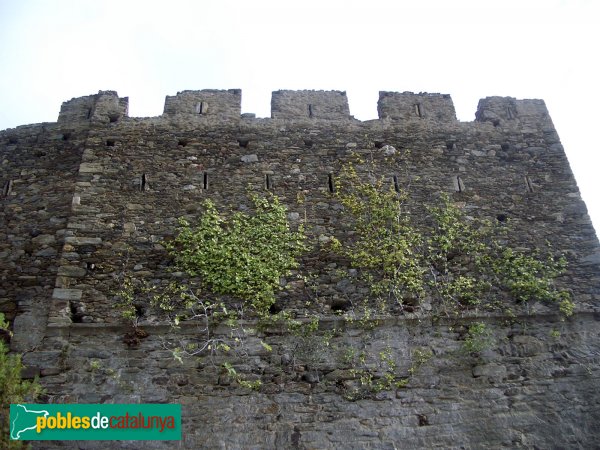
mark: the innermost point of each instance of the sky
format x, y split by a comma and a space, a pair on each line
52, 51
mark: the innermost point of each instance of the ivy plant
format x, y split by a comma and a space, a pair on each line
458, 263
241, 255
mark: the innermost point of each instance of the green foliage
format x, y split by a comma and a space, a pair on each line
13, 389
241, 255
457, 253
386, 247
379, 372
458, 263
233, 374
529, 278
478, 338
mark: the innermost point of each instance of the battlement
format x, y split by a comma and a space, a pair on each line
210, 106
410, 106
104, 107
503, 110
223, 105
328, 105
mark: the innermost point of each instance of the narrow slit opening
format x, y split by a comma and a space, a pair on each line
310, 110
529, 184
201, 108
396, 185
330, 183
143, 182
268, 182
7, 188
418, 110
205, 180
460, 187
89, 114
510, 113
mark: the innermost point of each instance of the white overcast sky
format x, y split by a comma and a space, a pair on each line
53, 50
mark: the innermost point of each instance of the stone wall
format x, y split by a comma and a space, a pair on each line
97, 193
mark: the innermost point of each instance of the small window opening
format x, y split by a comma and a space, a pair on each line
12, 140
310, 110
113, 118
379, 144
110, 143
139, 311
66, 136
308, 143
529, 184
459, 186
451, 145
505, 147
330, 183
418, 110
396, 185
495, 122
205, 180
243, 142
76, 315
90, 266
143, 183
268, 182
275, 308
7, 188
501, 218
340, 305
423, 420
182, 142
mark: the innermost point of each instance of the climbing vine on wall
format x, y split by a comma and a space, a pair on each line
243, 255
453, 262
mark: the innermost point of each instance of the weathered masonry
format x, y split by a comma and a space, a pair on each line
97, 193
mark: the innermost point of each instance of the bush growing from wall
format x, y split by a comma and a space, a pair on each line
13, 389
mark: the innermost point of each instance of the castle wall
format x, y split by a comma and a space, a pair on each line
38, 172
529, 391
119, 186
